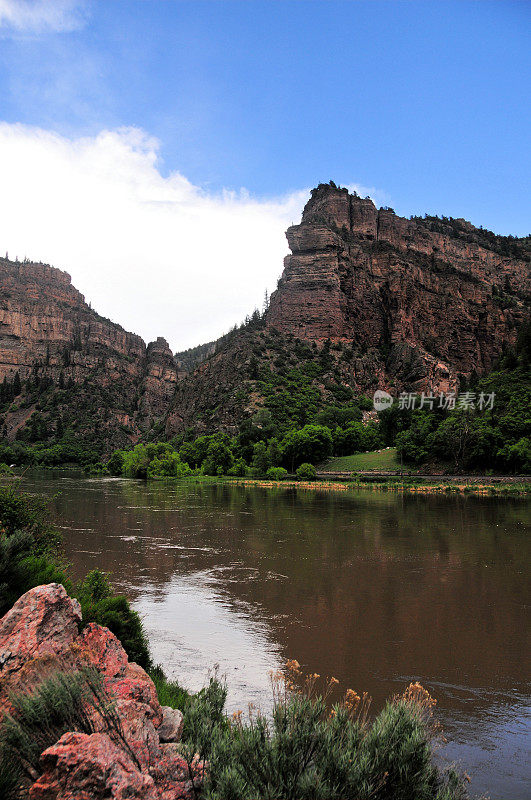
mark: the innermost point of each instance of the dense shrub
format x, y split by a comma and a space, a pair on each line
312, 444
168, 465
261, 460
355, 438
19, 511
218, 459
21, 568
115, 464
306, 472
304, 752
276, 473
238, 469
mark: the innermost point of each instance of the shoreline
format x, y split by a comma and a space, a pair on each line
493, 486
490, 489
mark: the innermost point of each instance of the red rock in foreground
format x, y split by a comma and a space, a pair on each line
80, 767
40, 636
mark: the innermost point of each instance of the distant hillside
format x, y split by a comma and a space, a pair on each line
366, 300
189, 359
64, 367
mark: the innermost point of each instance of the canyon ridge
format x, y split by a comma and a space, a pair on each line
378, 300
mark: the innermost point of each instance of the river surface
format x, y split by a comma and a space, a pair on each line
377, 589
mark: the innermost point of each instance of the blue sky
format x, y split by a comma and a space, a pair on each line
424, 104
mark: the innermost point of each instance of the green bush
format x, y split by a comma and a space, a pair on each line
168, 465
312, 444
261, 460
305, 752
276, 473
306, 472
20, 511
219, 458
170, 693
115, 464
238, 469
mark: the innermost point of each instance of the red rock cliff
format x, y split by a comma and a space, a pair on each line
426, 289
47, 330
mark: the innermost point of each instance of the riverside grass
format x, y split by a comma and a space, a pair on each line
408, 485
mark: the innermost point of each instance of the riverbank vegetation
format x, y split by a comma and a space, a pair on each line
296, 426
462, 439
311, 749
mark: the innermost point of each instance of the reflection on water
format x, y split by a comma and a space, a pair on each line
374, 588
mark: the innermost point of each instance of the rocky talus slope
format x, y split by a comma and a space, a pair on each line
40, 637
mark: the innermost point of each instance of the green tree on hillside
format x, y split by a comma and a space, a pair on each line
313, 443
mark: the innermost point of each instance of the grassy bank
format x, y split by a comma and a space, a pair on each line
383, 460
420, 486
480, 485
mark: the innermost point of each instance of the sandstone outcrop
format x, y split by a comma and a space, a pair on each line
50, 334
414, 304
159, 381
90, 766
432, 295
45, 322
407, 305
39, 636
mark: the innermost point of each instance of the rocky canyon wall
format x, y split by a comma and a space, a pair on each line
48, 330
439, 298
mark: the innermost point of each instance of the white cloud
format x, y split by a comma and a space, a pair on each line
156, 254
36, 16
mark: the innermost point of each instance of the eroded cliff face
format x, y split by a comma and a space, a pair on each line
398, 304
437, 303
407, 305
48, 331
45, 321
159, 380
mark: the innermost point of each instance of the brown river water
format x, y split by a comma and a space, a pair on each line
377, 589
